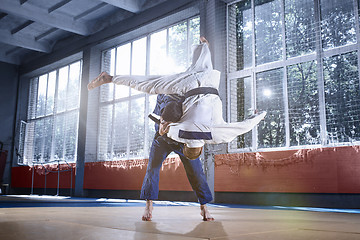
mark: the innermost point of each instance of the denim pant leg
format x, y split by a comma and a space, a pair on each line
197, 178
158, 153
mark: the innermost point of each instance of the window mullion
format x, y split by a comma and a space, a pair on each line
112, 137
167, 42
357, 22
320, 75
44, 119
285, 90
130, 125
253, 73
66, 113
286, 109
147, 68
129, 106
115, 71
146, 126
254, 133
52, 156
131, 61
188, 42
253, 42
35, 119
228, 80
146, 98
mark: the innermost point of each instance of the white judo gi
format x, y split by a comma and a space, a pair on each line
202, 120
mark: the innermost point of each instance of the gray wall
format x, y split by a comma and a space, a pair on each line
8, 96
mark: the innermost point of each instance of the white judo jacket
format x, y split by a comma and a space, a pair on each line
202, 120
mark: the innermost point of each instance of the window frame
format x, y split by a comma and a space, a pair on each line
318, 56
32, 118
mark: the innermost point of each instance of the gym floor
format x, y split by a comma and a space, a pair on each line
50, 217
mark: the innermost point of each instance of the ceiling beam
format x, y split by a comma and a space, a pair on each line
37, 38
58, 5
150, 3
129, 5
73, 46
89, 11
21, 27
37, 14
9, 59
23, 40
12, 51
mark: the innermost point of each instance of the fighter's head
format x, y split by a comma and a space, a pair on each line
172, 112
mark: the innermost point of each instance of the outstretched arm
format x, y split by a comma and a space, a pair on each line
169, 84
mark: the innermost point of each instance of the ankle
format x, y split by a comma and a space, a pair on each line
149, 204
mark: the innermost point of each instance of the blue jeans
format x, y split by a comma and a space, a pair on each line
160, 149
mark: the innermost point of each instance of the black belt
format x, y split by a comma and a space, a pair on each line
200, 90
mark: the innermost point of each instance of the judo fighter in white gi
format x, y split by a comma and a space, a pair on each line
201, 121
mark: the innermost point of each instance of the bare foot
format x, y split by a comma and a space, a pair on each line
148, 211
103, 78
205, 213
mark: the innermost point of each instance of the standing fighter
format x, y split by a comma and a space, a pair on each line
161, 147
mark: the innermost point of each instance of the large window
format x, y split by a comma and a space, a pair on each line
125, 131
299, 61
50, 132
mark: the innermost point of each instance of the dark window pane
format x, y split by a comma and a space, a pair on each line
107, 90
105, 132
337, 23
240, 108
303, 104
73, 93
268, 31
178, 52
41, 98
137, 128
269, 97
59, 136
240, 35
62, 88
48, 138
300, 27
342, 98
71, 135
38, 141
120, 128
50, 97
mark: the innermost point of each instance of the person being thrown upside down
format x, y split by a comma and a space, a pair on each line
186, 124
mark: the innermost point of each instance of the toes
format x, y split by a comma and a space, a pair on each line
146, 218
208, 219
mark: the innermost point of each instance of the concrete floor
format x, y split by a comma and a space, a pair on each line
21, 218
